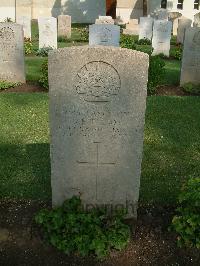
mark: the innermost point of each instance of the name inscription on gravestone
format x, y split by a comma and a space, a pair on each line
97, 112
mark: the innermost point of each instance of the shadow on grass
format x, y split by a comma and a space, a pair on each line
171, 147
25, 171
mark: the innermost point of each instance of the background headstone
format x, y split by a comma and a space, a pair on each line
132, 28
161, 37
174, 16
64, 26
190, 71
105, 17
97, 112
12, 52
47, 32
26, 24
105, 21
103, 34
146, 28
183, 24
197, 20
160, 14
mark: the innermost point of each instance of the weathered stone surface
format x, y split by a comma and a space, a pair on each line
64, 26
12, 52
161, 37
160, 14
26, 24
183, 24
107, 35
146, 28
97, 112
47, 32
190, 71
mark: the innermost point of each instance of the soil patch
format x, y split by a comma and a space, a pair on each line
167, 90
29, 87
151, 244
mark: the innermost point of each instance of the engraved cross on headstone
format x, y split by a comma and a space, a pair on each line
97, 162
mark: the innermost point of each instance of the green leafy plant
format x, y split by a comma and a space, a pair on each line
4, 85
156, 73
44, 51
28, 46
83, 34
44, 75
72, 229
187, 221
145, 49
191, 88
176, 52
144, 42
127, 41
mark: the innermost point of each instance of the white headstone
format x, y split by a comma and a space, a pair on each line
97, 113
161, 37
64, 26
26, 23
190, 71
183, 24
101, 34
47, 32
12, 52
146, 28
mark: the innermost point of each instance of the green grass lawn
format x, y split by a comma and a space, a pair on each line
171, 146
173, 69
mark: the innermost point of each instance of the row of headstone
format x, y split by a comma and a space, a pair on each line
49, 28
